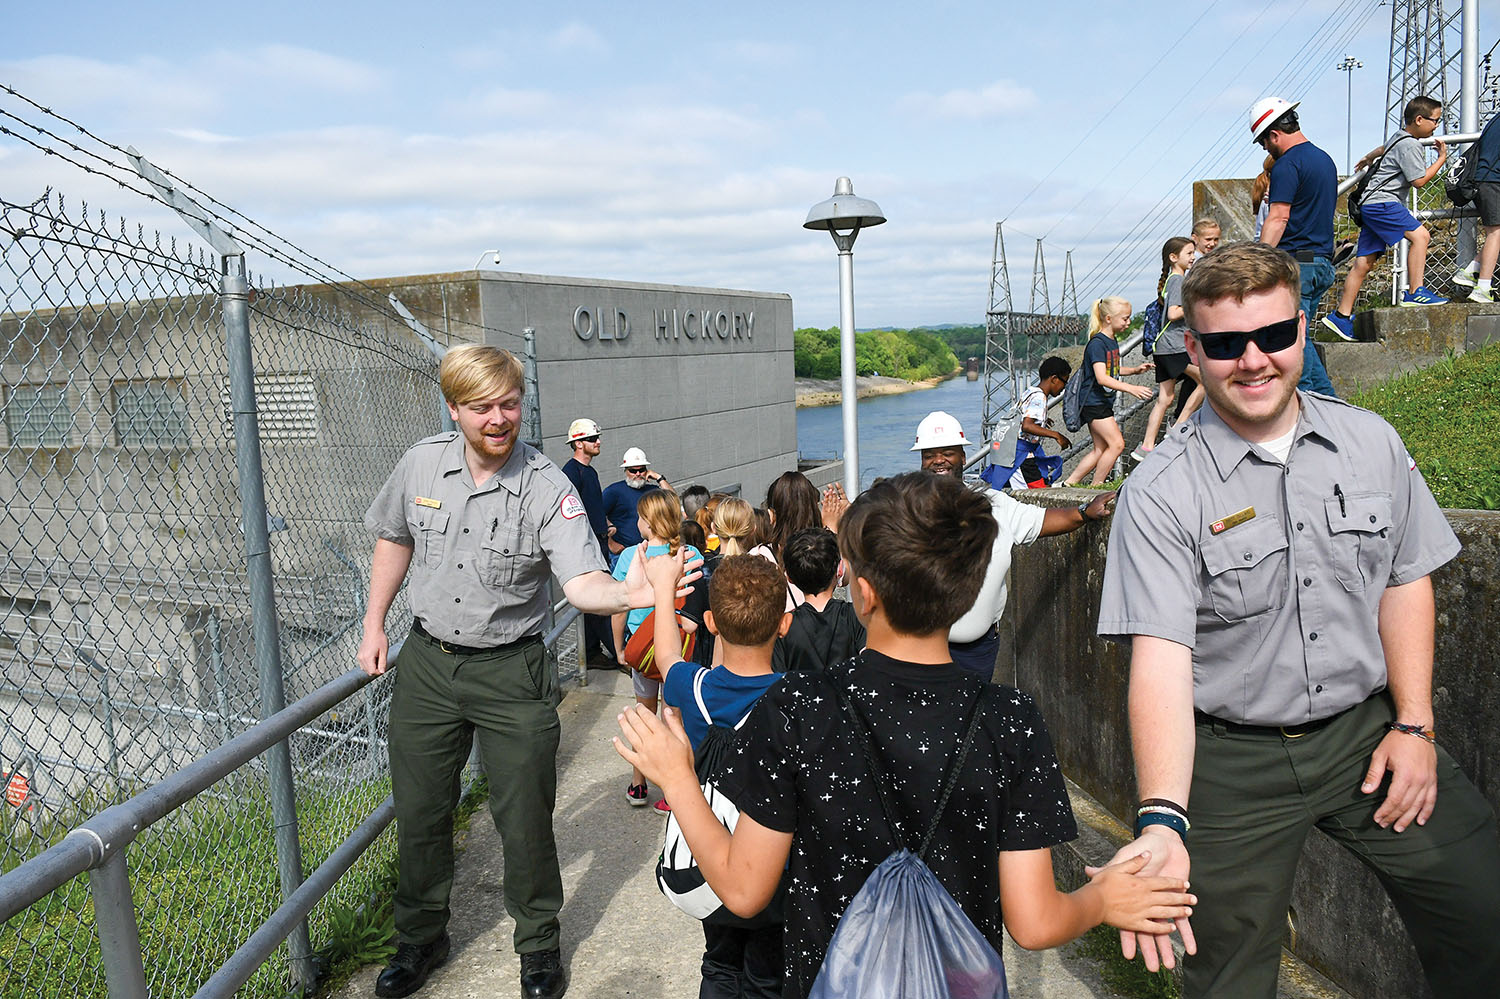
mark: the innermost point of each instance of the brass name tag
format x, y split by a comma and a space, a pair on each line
435, 504
1233, 520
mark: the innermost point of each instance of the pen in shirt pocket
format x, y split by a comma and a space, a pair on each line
1339, 493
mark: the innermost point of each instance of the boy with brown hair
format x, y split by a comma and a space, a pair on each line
747, 600
824, 629
1400, 165
807, 797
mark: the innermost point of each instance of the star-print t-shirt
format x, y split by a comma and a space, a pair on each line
796, 767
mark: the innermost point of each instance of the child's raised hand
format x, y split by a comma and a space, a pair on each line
657, 747
1143, 904
663, 571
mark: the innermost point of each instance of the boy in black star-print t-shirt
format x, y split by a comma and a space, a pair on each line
806, 801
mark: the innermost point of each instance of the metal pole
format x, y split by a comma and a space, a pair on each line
119, 936
1468, 111
1349, 120
236, 305
849, 393
532, 431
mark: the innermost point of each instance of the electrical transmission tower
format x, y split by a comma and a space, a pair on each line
1426, 43
1000, 387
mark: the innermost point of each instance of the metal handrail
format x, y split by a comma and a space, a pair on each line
1458, 139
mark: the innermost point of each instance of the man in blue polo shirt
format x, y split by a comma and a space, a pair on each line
1304, 189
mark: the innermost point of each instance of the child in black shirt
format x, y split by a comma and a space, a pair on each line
824, 631
806, 804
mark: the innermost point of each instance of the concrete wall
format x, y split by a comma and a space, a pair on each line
716, 408
1345, 926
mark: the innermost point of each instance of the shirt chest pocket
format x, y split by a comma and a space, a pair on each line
507, 554
1358, 531
430, 529
1246, 569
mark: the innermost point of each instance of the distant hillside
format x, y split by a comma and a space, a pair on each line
909, 354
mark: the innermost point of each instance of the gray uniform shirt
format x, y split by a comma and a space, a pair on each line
1404, 161
481, 556
1173, 338
1272, 574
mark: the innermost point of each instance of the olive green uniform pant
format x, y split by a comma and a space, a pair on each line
506, 697
1255, 797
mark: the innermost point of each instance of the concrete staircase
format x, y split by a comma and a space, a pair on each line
1396, 340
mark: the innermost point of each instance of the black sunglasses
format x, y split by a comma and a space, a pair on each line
1268, 339
590, 440
636, 471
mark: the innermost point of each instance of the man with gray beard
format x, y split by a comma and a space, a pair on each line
620, 498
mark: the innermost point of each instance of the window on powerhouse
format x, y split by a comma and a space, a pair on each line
151, 414
38, 415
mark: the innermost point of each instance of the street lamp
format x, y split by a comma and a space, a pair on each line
495, 254
1347, 67
843, 215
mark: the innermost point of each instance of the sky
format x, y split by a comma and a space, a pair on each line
684, 144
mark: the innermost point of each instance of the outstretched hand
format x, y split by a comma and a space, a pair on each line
657, 747
1166, 855
1138, 902
835, 502
638, 591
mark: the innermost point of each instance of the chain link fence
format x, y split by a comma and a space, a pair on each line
126, 638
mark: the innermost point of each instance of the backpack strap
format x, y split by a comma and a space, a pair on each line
698, 679
950, 780
698, 696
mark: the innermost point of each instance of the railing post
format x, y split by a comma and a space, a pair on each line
119, 936
581, 636
235, 298
531, 421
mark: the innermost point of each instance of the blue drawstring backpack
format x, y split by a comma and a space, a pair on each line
903, 935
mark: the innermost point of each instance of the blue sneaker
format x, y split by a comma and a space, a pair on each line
1343, 326
1422, 296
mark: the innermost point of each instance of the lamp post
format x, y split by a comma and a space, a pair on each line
1347, 67
843, 215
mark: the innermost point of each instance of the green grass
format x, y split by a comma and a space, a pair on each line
202, 880
1449, 416
1126, 978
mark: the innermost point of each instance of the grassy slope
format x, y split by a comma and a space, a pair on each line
1449, 416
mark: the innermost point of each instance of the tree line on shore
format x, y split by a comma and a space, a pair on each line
913, 354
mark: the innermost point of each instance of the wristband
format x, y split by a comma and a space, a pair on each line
1172, 821
1420, 731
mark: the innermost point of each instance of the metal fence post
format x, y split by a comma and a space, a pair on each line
531, 425
119, 936
236, 305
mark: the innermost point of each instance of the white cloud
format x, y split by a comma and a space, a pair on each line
577, 36
999, 98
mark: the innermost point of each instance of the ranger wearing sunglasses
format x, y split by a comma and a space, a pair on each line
1269, 564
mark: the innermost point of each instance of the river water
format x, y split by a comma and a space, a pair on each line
888, 426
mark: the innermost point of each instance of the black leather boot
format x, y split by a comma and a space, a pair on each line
542, 975
409, 969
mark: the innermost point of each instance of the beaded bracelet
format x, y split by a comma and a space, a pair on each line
1420, 731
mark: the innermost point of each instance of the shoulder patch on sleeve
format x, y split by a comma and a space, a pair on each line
1411, 463
572, 507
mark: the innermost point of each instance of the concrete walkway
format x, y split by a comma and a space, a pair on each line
621, 937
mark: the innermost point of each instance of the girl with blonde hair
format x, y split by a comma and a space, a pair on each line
1101, 371
659, 519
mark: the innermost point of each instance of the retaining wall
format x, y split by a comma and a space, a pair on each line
1344, 926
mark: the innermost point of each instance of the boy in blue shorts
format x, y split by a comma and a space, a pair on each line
1399, 166
747, 611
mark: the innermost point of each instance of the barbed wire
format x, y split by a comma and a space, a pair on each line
377, 303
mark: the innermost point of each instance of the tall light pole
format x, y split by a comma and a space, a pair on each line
1348, 66
843, 215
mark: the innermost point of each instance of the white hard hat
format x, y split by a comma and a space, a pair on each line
582, 428
939, 429
634, 458
1265, 113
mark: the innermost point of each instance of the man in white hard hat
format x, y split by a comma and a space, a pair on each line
583, 439
620, 498
974, 640
1303, 196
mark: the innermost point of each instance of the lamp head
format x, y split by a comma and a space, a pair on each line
843, 213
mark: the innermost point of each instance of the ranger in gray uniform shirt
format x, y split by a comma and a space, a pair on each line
1269, 564
481, 522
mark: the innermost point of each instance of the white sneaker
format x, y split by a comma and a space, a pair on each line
1482, 295
1466, 277
1139, 454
